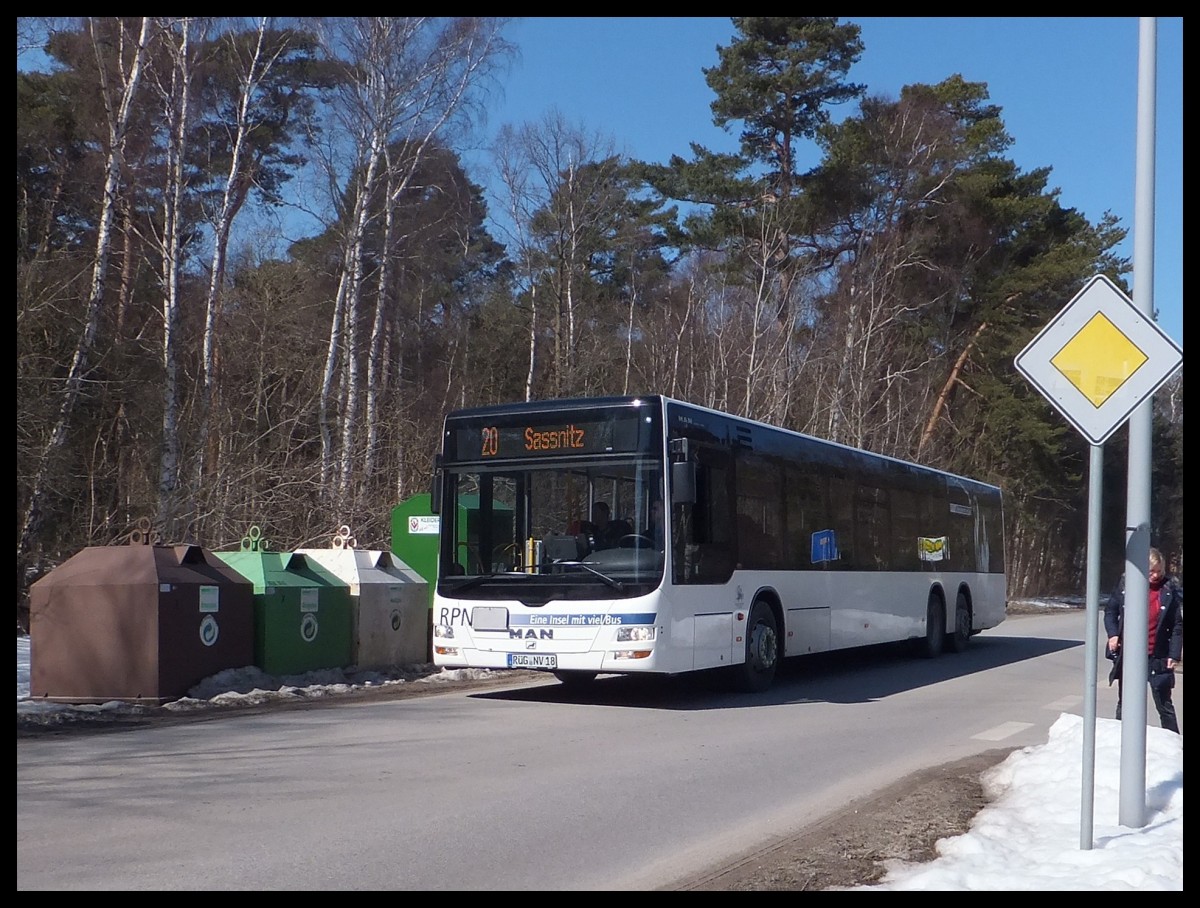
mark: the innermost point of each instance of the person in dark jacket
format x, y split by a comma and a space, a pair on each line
604, 531
1165, 637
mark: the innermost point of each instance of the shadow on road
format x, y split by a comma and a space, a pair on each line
847, 676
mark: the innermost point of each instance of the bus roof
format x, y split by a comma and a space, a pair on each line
554, 405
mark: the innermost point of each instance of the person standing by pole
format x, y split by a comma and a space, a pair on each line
1165, 626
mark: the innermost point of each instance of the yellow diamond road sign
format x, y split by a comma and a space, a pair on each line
1099, 359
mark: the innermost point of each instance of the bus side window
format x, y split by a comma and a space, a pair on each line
841, 512
714, 506
760, 511
713, 521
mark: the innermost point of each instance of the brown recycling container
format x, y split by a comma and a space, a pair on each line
142, 623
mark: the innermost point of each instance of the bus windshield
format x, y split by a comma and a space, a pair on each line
575, 530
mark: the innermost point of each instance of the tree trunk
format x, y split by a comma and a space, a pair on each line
176, 96
118, 125
944, 395
237, 187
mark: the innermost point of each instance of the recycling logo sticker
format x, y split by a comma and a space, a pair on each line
309, 627
209, 631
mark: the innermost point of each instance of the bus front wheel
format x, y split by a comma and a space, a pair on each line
762, 650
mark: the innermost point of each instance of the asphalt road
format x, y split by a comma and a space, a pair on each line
632, 785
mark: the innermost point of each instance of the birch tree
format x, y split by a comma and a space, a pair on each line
175, 91
562, 197
405, 80
120, 73
261, 97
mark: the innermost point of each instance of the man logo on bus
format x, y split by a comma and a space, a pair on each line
541, 633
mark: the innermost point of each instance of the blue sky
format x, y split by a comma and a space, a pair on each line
1067, 88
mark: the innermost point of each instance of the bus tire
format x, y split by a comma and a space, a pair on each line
575, 680
762, 650
935, 627
960, 638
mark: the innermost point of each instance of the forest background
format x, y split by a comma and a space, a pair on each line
181, 361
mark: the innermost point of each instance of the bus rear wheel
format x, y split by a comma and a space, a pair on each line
762, 650
961, 637
935, 628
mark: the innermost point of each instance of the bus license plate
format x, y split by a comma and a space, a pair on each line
532, 660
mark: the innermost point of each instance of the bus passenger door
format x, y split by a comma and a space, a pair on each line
714, 640
709, 547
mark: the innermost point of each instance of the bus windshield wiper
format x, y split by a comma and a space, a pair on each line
615, 584
475, 581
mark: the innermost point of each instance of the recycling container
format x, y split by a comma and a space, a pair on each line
141, 623
302, 613
415, 531
390, 603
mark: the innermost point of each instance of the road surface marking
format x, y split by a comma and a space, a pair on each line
1000, 732
1063, 704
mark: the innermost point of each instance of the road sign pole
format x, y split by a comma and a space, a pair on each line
1099, 362
1134, 662
1095, 499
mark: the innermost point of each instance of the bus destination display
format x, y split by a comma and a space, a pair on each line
565, 438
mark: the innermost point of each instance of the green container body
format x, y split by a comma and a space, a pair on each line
303, 613
415, 537
415, 532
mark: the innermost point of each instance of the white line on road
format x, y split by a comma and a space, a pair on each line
1063, 704
1000, 732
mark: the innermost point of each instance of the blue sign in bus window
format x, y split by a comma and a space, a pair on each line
824, 546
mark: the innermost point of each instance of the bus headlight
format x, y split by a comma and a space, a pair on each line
445, 631
635, 634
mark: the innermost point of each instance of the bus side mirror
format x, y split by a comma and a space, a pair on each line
683, 483
435, 486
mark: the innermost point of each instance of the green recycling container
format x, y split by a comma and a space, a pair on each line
415, 531
415, 537
302, 612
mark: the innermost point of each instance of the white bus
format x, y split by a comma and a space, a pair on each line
774, 544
